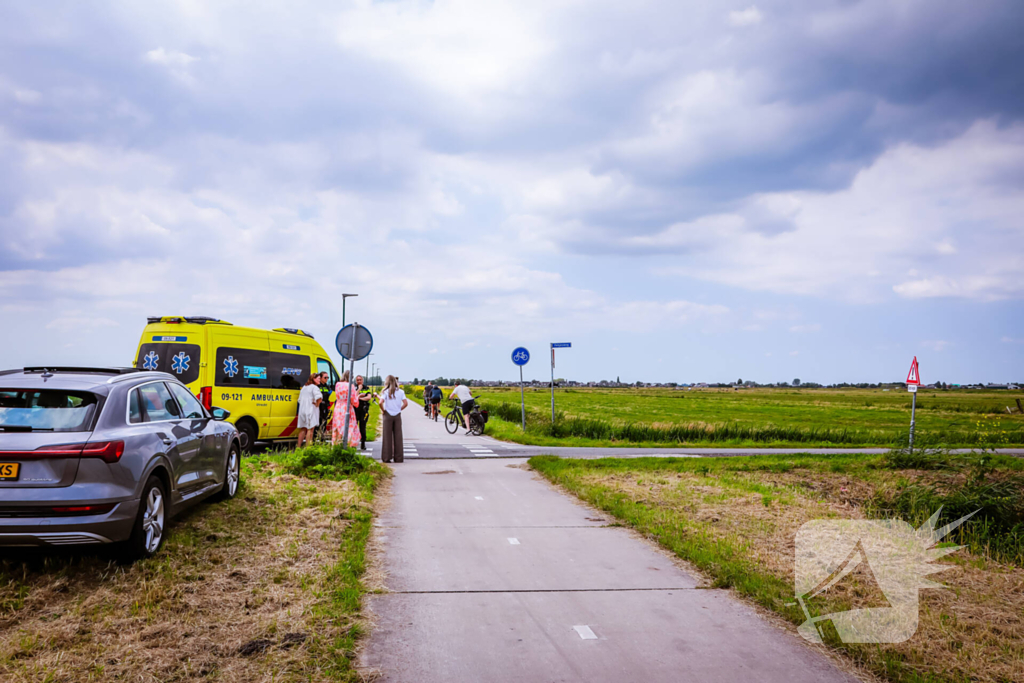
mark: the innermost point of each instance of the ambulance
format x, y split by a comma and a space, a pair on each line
254, 374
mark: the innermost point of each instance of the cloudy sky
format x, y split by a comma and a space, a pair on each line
686, 190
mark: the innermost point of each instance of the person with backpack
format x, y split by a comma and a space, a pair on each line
435, 401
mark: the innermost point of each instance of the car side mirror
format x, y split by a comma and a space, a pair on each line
220, 414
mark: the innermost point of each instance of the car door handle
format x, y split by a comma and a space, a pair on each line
168, 441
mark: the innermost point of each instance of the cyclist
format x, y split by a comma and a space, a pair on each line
462, 394
435, 401
428, 392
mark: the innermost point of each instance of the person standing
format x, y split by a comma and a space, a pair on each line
309, 410
362, 409
345, 403
392, 403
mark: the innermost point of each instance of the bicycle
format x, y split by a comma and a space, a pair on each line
322, 433
477, 419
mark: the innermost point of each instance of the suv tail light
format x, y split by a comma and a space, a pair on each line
108, 451
206, 397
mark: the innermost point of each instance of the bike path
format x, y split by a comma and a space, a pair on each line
493, 575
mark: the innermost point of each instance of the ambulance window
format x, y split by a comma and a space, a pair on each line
180, 360
243, 368
289, 370
325, 366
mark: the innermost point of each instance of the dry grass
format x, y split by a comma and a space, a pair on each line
236, 594
973, 631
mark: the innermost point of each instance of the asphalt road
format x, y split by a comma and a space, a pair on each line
426, 439
493, 575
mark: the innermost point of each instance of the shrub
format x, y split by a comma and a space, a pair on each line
323, 461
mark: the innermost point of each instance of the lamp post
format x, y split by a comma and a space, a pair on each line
343, 297
368, 366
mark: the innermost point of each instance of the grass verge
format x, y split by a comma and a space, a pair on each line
735, 520
263, 587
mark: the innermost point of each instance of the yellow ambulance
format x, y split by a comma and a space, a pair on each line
254, 374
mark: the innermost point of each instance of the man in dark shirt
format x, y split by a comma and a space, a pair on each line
428, 391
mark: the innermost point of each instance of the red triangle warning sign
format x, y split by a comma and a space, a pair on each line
914, 377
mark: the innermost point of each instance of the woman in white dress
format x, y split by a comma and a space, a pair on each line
309, 410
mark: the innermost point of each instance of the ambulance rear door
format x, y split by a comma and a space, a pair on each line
173, 348
290, 367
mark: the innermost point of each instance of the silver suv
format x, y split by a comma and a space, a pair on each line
103, 455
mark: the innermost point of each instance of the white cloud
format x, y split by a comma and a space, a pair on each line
461, 47
26, 96
937, 345
907, 198
745, 17
176, 63
169, 57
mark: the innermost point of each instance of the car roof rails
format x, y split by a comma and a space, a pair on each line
194, 319
81, 369
293, 330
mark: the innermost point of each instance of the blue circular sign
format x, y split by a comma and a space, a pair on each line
521, 356
354, 342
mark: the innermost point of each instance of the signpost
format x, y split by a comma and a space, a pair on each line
555, 345
354, 342
913, 382
521, 357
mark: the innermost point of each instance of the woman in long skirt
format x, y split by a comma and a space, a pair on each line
392, 403
345, 404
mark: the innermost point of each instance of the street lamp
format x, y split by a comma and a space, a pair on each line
343, 297
368, 366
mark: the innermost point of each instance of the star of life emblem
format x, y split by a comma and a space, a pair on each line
180, 363
230, 366
150, 361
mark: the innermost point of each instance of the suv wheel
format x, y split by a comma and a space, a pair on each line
232, 474
150, 522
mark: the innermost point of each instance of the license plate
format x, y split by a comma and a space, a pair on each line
9, 470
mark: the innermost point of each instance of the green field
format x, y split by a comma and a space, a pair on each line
748, 417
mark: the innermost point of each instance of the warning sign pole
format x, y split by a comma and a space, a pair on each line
913, 382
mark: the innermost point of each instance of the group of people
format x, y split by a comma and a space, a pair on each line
432, 396
352, 404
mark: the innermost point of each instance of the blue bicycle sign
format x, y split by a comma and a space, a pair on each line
520, 356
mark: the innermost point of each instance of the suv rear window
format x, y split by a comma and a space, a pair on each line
180, 360
46, 410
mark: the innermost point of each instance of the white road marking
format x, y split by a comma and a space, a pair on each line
585, 632
479, 497
513, 541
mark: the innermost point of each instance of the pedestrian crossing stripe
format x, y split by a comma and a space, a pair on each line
480, 452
